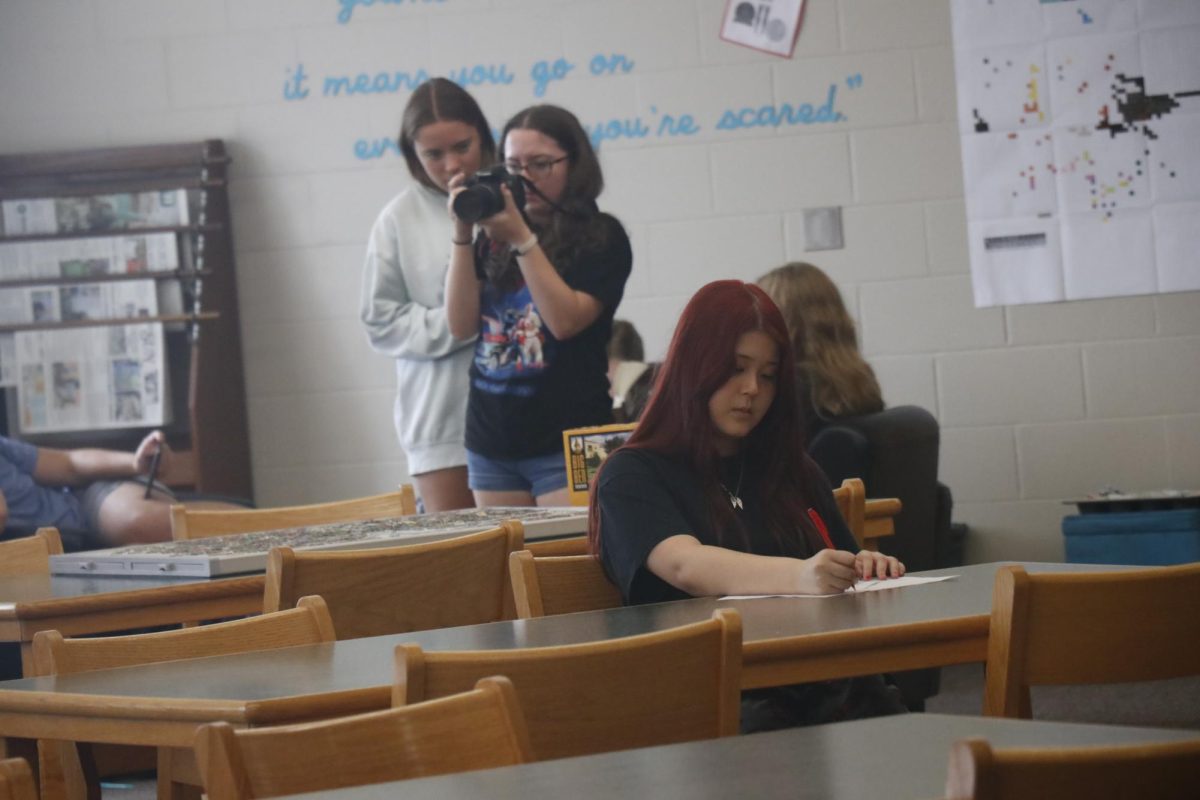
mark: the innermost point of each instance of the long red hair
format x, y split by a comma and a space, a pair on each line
677, 423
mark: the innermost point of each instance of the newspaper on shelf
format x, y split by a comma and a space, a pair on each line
88, 257
8, 360
78, 301
84, 378
102, 212
82, 258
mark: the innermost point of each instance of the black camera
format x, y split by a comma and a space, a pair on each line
481, 197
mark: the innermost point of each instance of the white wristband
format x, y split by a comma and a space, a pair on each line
524, 247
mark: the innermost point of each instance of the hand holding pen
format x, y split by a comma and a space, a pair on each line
148, 458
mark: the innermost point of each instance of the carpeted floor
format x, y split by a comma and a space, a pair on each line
1164, 704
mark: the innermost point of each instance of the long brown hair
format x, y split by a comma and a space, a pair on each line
441, 100
678, 424
576, 228
841, 383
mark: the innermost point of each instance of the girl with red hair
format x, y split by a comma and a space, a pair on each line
713, 493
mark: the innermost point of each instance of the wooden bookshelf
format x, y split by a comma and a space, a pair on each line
203, 355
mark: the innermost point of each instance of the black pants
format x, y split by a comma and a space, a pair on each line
817, 703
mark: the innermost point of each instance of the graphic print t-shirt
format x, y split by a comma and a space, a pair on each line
526, 385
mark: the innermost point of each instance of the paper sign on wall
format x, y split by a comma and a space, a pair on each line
767, 25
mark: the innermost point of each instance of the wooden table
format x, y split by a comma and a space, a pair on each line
899, 758
785, 640
79, 605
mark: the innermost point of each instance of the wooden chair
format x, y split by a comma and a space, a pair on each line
1166, 771
67, 770
460, 581
574, 546
16, 780
190, 523
676, 685
30, 555
559, 585
1087, 628
868, 520
851, 498
477, 729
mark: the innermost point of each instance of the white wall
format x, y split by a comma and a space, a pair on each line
1037, 403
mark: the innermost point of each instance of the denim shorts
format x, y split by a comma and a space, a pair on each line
538, 475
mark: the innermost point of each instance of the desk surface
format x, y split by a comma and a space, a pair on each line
78, 605
785, 640
899, 758
28, 593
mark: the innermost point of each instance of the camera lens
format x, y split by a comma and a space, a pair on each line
477, 202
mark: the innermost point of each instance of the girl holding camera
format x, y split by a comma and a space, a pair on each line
713, 494
443, 134
539, 286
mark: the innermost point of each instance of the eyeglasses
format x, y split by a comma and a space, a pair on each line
534, 169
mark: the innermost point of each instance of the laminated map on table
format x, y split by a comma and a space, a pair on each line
247, 552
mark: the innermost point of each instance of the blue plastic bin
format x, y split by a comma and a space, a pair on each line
1150, 538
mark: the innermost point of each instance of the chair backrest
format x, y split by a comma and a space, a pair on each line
1084, 628
30, 555
573, 546
675, 685
68, 770
868, 520
851, 499
559, 585
460, 581
307, 623
16, 780
1164, 771
477, 729
190, 523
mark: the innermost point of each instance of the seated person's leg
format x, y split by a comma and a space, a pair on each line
120, 513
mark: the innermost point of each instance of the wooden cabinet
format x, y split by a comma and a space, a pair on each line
203, 357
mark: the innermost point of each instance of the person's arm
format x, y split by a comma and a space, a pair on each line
644, 525
84, 465
462, 285
565, 311
397, 325
702, 570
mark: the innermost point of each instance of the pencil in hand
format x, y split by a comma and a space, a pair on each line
153, 471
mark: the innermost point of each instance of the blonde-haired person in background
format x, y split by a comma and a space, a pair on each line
833, 376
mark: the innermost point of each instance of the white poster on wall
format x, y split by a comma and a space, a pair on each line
1079, 122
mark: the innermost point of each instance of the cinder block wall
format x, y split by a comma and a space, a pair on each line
1037, 403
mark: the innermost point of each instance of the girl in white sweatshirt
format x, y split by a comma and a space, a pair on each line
443, 134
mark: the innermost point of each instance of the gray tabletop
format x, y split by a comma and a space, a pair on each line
362, 663
898, 758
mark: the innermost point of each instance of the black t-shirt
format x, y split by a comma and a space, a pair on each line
526, 385
646, 497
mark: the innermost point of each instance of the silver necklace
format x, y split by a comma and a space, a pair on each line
734, 497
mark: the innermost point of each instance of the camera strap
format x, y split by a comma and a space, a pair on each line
529, 187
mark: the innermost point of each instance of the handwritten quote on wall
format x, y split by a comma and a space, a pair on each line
300, 85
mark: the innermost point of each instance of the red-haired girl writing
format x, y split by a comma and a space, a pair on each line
713, 494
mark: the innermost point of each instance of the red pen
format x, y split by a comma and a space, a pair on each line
821, 529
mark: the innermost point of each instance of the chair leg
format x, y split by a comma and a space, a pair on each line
176, 781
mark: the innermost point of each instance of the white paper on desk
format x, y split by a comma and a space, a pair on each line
872, 585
